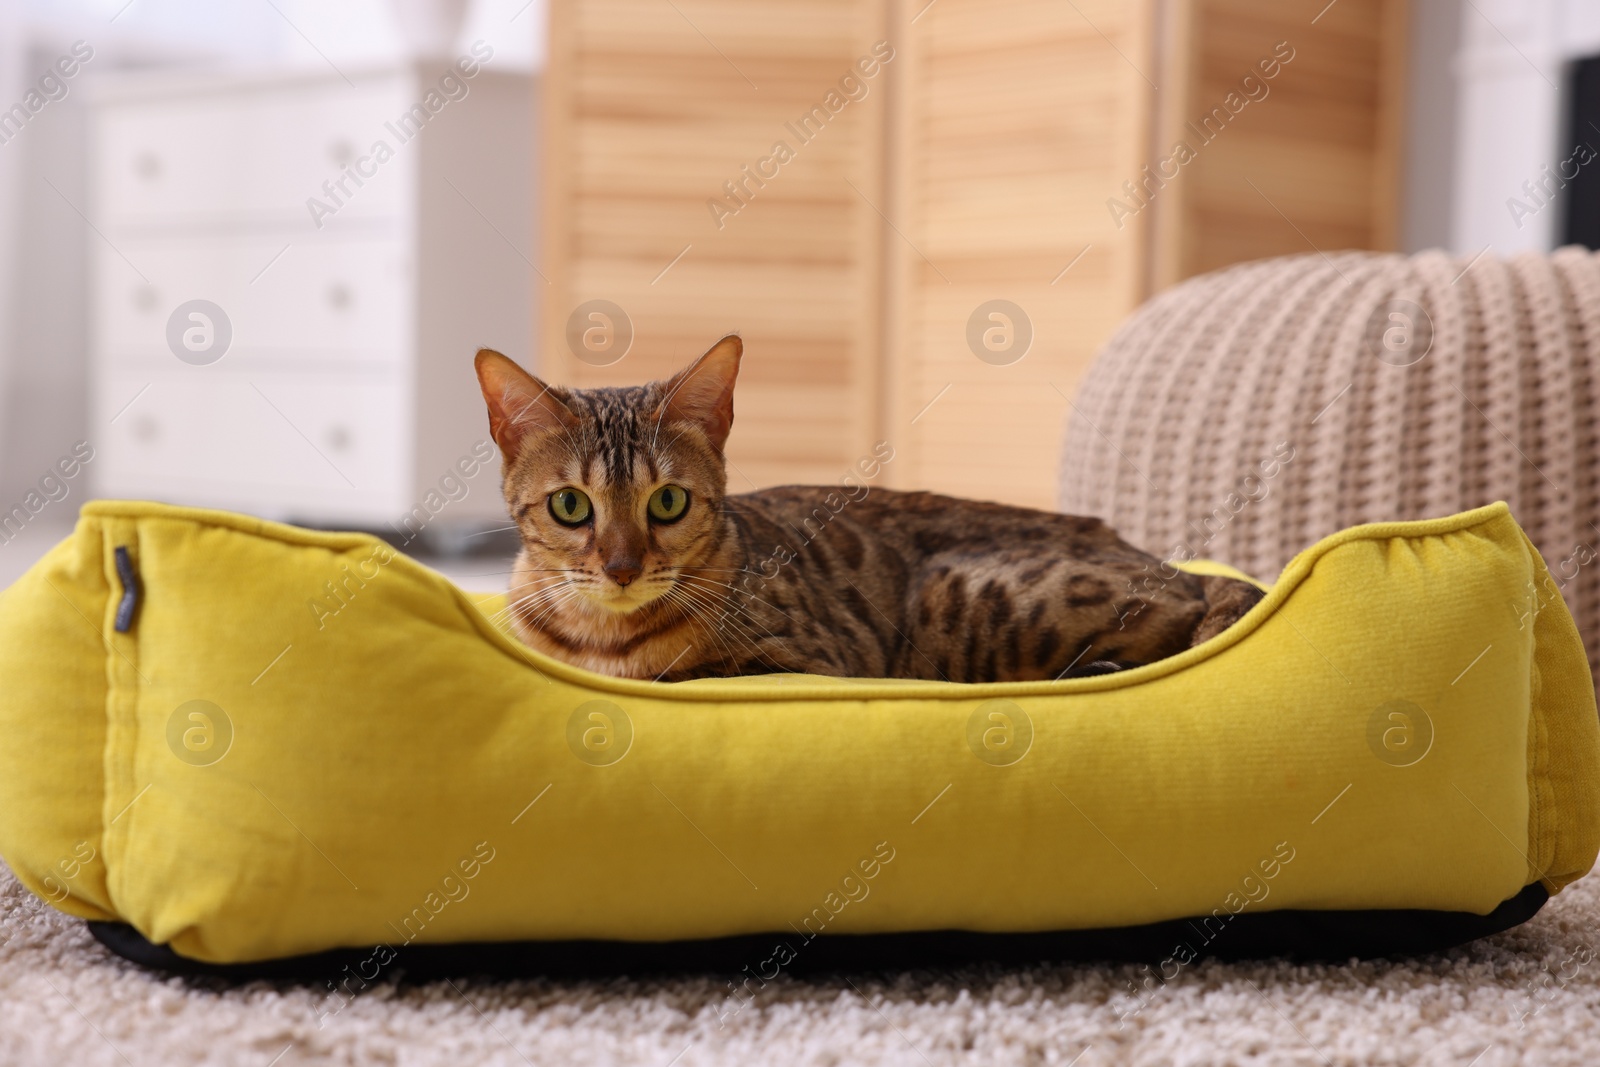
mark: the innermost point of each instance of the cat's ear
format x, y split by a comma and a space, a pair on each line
702, 392
519, 403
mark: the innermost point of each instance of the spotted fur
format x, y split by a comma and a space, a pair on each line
844, 580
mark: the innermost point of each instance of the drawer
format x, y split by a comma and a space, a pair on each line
311, 300
326, 446
248, 154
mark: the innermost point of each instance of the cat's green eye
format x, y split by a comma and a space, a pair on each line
668, 503
570, 506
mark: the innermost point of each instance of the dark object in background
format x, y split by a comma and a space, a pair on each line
1580, 200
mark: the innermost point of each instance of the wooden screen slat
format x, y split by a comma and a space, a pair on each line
1017, 121
663, 106
1313, 165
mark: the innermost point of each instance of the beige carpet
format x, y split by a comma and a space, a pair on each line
1528, 996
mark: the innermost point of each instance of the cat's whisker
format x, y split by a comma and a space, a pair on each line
731, 622
698, 613
546, 580
539, 619
549, 586
486, 533
745, 592
687, 611
739, 631
751, 638
539, 583
731, 609
505, 613
548, 610
522, 599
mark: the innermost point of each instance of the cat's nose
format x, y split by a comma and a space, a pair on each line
623, 571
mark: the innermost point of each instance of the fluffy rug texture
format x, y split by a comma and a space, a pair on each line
1531, 995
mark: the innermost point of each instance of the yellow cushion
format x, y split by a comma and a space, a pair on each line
1406, 721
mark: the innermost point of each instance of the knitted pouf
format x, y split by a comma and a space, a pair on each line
1244, 414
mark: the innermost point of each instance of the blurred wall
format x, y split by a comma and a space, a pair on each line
47, 329
1429, 137
1487, 89
10, 81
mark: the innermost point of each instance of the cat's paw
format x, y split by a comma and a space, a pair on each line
1227, 601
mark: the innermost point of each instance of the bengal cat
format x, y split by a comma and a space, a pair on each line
636, 562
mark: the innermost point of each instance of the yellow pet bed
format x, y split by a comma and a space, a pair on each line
248, 742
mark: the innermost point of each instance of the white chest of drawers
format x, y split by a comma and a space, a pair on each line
346, 394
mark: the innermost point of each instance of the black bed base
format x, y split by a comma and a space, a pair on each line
1301, 936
